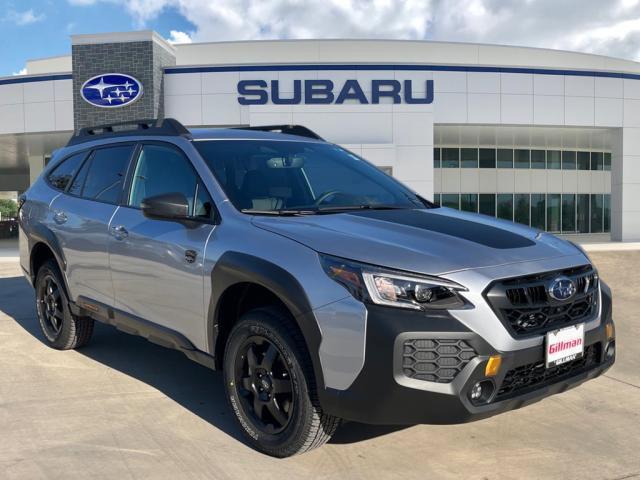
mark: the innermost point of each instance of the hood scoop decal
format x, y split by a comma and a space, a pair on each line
480, 233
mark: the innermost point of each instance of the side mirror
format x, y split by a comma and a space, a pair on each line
173, 206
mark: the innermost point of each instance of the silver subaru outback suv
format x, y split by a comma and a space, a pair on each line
323, 289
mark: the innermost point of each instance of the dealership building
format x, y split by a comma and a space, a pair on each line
542, 137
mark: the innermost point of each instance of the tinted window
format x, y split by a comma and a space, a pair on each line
568, 160
583, 160
203, 207
597, 160
521, 158
469, 157
521, 210
279, 175
538, 211
436, 158
553, 212
487, 158
106, 172
162, 170
488, 204
505, 158
451, 200
553, 159
505, 206
450, 157
569, 213
538, 159
63, 173
469, 202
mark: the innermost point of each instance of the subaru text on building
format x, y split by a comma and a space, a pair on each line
321, 287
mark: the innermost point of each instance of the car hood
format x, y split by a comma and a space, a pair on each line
433, 241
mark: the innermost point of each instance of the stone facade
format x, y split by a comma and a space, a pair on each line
143, 60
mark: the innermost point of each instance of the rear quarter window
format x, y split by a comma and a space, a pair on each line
61, 175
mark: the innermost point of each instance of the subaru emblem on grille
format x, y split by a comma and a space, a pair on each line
562, 289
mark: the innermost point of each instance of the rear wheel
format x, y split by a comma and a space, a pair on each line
61, 329
271, 387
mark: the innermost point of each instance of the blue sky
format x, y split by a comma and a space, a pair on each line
40, 28
44, 32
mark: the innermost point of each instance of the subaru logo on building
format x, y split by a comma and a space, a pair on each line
111, 90
562, 289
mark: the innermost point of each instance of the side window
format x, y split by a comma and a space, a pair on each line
104, 175
204, 208
63, 173
163, 170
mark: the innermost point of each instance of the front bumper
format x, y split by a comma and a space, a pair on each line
383, 394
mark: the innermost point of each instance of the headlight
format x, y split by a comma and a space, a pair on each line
395, 289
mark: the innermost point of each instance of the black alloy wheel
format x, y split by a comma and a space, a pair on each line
264, 384
50, 307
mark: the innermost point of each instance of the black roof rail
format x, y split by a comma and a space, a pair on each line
298, 130
160, 126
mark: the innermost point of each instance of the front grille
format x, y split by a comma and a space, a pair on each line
535, 375
525, 307
435, 360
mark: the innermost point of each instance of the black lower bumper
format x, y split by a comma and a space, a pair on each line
382, 394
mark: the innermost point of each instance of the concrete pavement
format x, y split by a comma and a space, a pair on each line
123, 408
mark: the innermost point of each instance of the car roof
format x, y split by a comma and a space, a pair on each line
239, 133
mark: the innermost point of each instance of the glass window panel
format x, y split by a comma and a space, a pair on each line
436, 199
569, 213
521, 158
568, 160
63, 173
584, 160
161, 170
469, 202
106, 173
451, 200
505, 158
436, 158
538, 159
203, 207
505, 206
596, 213
597, 160
450, 157
488, 204
607, 213
521, 212
582, 219
469, 157
607, 161
553, 212
538, 211
487, 158
553, 159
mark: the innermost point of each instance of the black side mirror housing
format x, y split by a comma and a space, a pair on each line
172, 206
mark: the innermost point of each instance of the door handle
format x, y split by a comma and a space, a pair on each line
59, 217
190, 256
119, 232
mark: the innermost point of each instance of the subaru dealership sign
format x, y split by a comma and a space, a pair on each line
111, 90
259, 92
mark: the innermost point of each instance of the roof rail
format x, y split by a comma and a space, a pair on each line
160, 126
298, 130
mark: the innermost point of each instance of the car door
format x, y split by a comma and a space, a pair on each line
81, 217
157, 264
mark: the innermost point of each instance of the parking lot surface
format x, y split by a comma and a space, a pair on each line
123, 408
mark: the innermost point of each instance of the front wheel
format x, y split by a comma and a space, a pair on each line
271, 387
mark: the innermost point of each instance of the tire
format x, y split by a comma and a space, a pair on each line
265, 358
61, 329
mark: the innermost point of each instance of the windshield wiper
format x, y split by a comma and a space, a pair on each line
282, 213
346, 208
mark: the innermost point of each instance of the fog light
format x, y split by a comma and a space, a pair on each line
610, 351
481, 392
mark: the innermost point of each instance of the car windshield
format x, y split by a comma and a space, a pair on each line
289, 177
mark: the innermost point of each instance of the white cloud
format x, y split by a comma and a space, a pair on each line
610, 28
22, 71
24, 18
176, 36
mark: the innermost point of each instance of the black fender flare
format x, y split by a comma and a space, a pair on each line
39, 233
234, 268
